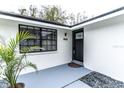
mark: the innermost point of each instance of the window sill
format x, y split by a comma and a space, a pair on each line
41, 53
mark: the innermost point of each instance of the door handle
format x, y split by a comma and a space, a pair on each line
73, 51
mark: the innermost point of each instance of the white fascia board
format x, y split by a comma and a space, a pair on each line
98, 20
62, 27
32, 22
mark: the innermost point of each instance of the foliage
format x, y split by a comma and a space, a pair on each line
50, 13
54, 14
23, 11
77, 18
14, 63
33, 11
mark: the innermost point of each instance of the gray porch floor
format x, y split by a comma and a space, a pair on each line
55, 77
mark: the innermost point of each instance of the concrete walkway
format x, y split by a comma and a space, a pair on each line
78, 84
55, 77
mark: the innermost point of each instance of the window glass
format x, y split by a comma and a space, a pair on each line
46, 38
79, 35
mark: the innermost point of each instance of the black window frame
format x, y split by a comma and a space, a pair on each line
41, 39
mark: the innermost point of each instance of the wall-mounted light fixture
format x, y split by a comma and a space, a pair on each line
65, 36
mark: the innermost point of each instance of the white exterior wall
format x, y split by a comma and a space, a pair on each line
43, 60
104, 47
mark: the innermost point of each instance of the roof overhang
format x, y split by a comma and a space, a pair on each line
111, 14
36, 21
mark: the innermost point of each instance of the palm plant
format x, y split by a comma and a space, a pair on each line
14, 63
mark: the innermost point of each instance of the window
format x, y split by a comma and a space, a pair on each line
79, 35
46, 38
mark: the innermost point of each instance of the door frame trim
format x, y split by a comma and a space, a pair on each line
74, 31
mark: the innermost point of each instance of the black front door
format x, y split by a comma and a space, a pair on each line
78, 36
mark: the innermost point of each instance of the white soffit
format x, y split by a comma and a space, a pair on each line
115, 14
31, 22
98, 19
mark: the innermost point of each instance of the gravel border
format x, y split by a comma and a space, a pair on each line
98, 80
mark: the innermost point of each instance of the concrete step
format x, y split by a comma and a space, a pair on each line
78, 62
